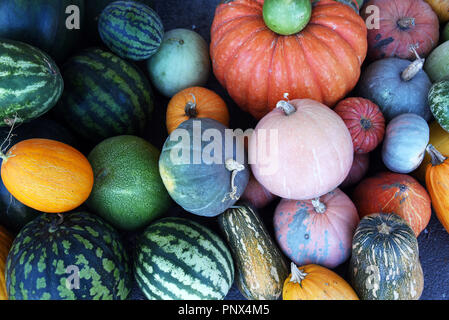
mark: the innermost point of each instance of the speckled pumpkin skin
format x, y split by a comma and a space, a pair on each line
385, 260
128, 190
439, 103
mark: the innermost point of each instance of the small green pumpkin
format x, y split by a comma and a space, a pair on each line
261, 267
287, 17
439, 103
385, 259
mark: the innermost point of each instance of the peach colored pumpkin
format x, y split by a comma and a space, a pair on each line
301, 150
316, 231
47, 175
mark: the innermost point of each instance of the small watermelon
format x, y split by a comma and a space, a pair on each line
30, 82
105, 96
178, 259
131, 30
75, 256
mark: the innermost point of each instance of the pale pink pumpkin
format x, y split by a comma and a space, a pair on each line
360, 166
316, 231
257, 194
301, 150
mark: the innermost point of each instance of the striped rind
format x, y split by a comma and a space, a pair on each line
178, 259
30, 82
105, 96
131, 30
439, 102
37, 263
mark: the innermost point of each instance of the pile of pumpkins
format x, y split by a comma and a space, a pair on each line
328, 91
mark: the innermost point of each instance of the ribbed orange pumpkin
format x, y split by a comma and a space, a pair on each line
389, 192
196, 102
47, 175
441, 8
437, 183
258, 66
5, 245
313, 282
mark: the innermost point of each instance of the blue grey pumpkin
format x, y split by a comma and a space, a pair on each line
405, 142
203, 178
384, 84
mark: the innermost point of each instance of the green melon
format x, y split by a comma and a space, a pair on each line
437, 63
131, 30
53, 252
178, 259
105, 96
439, 103
30, 82
128, 190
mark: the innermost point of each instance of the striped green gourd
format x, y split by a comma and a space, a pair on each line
30, 82
48, 252
439, 102
178, 259
131, 30
105, 96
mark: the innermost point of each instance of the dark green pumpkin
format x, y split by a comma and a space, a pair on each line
385, 260
445, 34
30, 82
201, 185
128, 191
42, 23
48, 252
261, 267
13, 214
104, 96
439, 103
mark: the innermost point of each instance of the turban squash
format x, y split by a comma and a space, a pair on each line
258, 66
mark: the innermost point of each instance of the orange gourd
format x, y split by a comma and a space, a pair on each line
196, 102
437, 183
5, 245
47, 175
257, 66
441, 8
314, 282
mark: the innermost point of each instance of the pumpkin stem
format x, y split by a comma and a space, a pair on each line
384, 228
297, 275
235, 168
413, 69
318, 205
55, 224
190, 108
436, 158
288, 108
11, 123
406, 23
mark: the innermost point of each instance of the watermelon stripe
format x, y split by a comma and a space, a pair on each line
152, 289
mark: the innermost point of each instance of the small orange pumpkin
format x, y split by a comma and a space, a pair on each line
437, 183
196, 102
47, 175
5, 245
314, 282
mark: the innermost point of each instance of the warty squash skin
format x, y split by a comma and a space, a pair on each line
258, 66
314, 282
5, 245
385, 260
260, 265
47, 175
437, 183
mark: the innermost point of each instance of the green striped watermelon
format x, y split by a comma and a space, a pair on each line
51, 252
30, 82
178, 259
131, 30
105, 96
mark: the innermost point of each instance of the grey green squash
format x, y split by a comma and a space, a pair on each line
437, 63
128, 190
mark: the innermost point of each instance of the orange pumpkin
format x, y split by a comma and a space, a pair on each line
258, 67
47, 175
437, 183
5, 245
441, 8
314, 282
196, 102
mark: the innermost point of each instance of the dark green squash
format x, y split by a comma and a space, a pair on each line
261, 268
385, 259
42, 23
200, 174
439, 103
